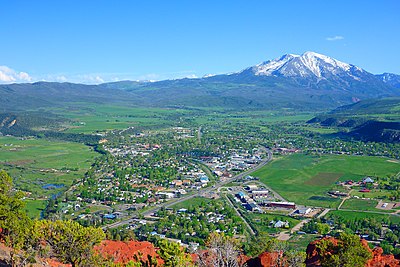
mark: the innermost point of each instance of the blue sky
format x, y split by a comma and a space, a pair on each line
96, 40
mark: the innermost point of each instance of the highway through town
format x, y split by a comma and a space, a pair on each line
203, 191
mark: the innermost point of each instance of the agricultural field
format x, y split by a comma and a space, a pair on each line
351, 215
44, 168
374, 193
91, 118
362, 205
306, 179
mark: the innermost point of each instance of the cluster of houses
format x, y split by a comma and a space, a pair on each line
284, 150
365, 185
190, 177
137, 149
210, 217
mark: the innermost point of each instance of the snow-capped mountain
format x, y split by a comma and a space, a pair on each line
308, 65
309, 81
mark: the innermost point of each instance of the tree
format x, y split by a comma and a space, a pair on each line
295, 258
323, 228
280, 248
141, 261
71, 242
347, 252
14, 223
172, 254
258, 244
222, 251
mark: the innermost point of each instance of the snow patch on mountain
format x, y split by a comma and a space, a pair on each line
268, 67
309, 64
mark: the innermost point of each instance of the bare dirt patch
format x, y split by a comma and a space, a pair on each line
382, 205
20, 162
324, 178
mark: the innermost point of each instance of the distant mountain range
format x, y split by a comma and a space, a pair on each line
310, 81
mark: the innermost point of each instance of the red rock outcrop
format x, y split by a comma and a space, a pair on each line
264, 259
123, 252
380, 260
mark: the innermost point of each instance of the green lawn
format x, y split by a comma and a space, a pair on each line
296, 176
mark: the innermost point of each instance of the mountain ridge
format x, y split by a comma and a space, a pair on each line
310, 81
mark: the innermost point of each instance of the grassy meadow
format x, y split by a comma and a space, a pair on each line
351, 215
34, 207
44, 168
92, 118
305, 179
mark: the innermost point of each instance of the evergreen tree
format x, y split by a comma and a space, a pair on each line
173, 255
348, 252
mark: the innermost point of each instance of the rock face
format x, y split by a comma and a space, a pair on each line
123, 252
264, 259
378, 259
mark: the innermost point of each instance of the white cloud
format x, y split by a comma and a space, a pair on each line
334, 38
61, 78
99, 79
8, 75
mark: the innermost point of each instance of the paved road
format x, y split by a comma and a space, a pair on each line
323, 213
298, 226
198, 193
199, 135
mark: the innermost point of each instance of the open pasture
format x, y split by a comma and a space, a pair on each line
92, 118
44, 168
351, 215
304, 179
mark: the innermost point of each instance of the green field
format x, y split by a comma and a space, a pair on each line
262, 221
362, 205
351, 215
92, 118
324, 178
42, 167
299, 177
34, 207
375, 193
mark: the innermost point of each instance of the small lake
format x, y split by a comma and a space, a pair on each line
53, 186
